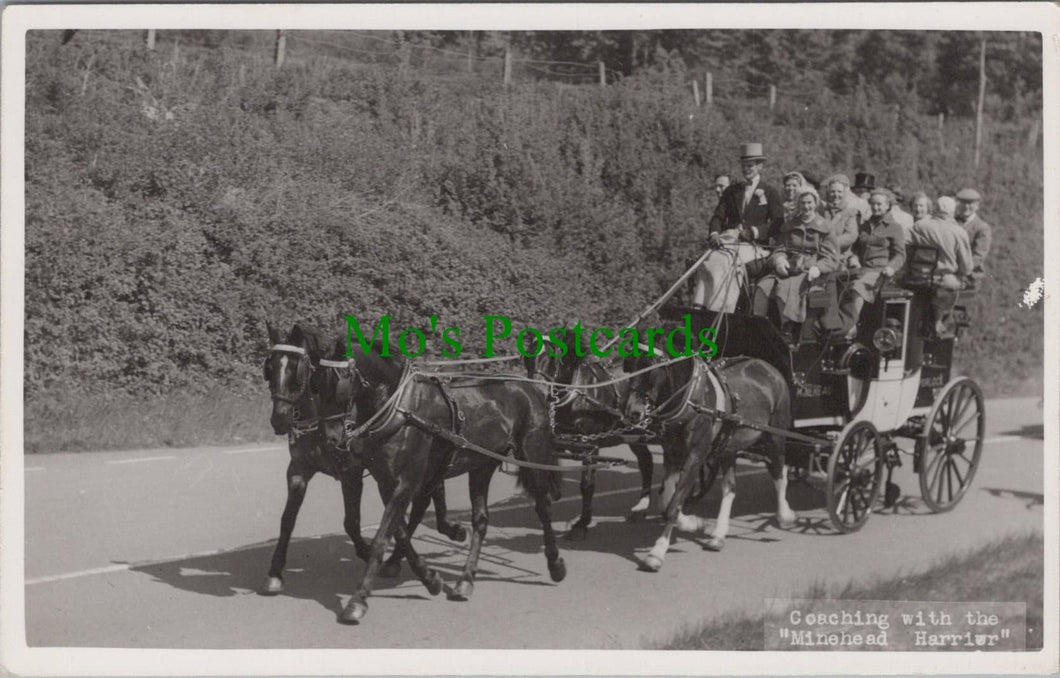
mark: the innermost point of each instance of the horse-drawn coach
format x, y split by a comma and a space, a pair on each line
809, 406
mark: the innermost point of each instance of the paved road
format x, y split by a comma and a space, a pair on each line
164, 548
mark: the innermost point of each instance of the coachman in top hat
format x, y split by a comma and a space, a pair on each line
748, 214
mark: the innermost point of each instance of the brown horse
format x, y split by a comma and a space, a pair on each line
404, 439
683, 399
290, 370
593, 412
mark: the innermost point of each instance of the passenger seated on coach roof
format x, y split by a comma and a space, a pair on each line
880, 249
747, 215
792, 186
979, 232
955, 263
806, 249
840, 215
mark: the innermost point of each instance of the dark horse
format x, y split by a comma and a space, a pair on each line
406, 441
594, 412
684, 398
290, 370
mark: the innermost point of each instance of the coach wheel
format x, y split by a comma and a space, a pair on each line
708, 473
855, 475
951, 444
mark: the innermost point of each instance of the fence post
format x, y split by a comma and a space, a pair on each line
603, 73
150, 38
942, 121
695, 92
1032, 136
979, 107
508, 61
710, 88
281, 48
772, 96
470, 52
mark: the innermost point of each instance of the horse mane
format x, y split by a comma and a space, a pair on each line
314, 340
375, 367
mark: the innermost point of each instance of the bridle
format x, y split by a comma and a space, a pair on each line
344, 370
299, 427
303, 366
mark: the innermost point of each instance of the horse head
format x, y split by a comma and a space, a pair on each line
353, 385
647, 388
288, 370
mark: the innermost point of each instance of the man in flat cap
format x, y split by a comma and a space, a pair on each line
749, 212
979, 234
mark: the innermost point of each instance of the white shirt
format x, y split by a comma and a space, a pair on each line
749, 190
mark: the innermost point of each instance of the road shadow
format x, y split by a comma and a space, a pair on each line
322, 569
1031, 500
1036, 431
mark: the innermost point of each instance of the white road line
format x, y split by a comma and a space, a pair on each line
80, 573
270, 448
140, 459
1004, 439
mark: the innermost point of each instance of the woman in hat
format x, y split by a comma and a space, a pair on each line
807, 249
880, 248
792, 186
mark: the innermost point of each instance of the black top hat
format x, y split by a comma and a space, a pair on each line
863, 180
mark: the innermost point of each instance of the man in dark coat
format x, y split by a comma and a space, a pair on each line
750, 209
979, 233
748, 214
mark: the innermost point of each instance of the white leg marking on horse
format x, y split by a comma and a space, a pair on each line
728, 494
785, 516
643, 505
687, 523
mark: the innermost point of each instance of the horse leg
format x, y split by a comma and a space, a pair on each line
478, 482
557, 569
779, 471
579, 530
645, 464
428, 577
653, 561
452, 530
392, 567
716, 542
397, 501
298, 476
352, 485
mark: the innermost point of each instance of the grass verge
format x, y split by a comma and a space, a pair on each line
1008, 570
68, 423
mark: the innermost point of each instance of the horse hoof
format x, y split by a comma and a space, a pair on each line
456, 533
273, 586
641, 506
434, 583
651, 563
578, 533
557, 569
390, 569
462, 591
353, 613
714, 544
786, 523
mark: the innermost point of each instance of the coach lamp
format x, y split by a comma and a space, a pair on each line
888, 339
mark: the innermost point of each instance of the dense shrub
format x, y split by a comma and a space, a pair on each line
173, 202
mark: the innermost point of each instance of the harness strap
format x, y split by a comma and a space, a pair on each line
288, 348
465, 444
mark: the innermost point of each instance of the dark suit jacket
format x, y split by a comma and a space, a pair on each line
766, 218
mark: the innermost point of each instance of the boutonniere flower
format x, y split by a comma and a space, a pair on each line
761, 195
